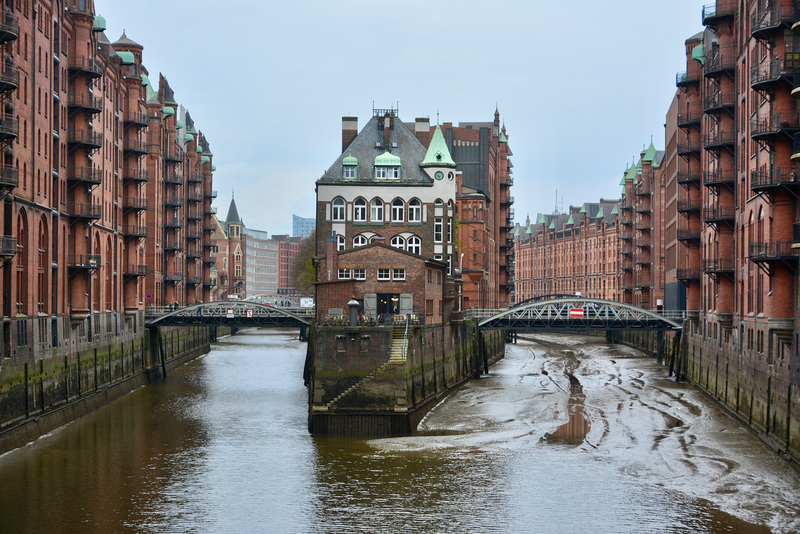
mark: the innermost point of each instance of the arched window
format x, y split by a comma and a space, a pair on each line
398, 211
398, 242
414, 211
359, 241
338, 209
414, 245
376, 210
360, 210
340, 242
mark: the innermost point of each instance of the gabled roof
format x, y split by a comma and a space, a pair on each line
233, 214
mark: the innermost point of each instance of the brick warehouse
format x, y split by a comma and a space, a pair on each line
107, 183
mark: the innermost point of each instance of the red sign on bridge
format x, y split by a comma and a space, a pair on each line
576, 312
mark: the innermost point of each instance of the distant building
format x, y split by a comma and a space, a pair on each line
303, 226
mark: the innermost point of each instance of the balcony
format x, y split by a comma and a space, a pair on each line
9, 27
626, 249
718, 266
687, 177
9, 78
193, 252
194, 235
688, 234
134, 231
9, 128
194, 215
718, 11
766, 179
194, 280
719, 214
135, 147
643, 207
767, 74
171, 245
85, 210
719, 178
173, 200
8, 246
722, 60
766, 21
194, 178
88, 176
508, 200
209, 227
135, 270
210, 194
771, 251
686, 206
689, 275
136, 119
135, 175
718, 140
135, 203
688, 147
172, 178
83, 262
85, 65
85, 102
785, 122
688, 77
173, 277
643, 189
719, 101
173, 156
690, 118
208, 260
210, 284
173, 223
9, 177
85, 138
194, 196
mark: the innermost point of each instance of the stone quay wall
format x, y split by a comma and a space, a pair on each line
359, 386
48, 383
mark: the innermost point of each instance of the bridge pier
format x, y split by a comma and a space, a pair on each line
660, 347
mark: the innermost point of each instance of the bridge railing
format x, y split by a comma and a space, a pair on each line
485, 313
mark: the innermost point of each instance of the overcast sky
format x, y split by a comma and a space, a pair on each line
580, 85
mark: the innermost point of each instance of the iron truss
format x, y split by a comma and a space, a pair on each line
574, 314
231, 313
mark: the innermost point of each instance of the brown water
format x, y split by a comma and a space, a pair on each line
564, 435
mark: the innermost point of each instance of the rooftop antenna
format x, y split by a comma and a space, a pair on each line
555, 209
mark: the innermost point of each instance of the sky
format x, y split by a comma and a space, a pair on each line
581, 86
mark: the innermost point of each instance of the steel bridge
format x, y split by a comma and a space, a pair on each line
235, 313
575, 313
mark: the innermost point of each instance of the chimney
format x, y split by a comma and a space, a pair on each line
422, 129
332, 256
387, 127
349, 131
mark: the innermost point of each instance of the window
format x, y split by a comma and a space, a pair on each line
350, 172
399, 274
398, 242
359, 274
359, 241
414, 211
339, 242
450, 230
338, 209
376, 210
414, 245
394, 172
437, 230
360, 210
398, 209
384, 275
380, 172
344, 274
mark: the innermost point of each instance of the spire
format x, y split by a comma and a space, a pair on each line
438, 155
233, 213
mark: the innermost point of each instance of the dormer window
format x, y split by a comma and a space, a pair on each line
380, 173
387, 166
350, 172
350, 167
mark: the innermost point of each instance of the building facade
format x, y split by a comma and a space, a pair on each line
88, 148
303, 226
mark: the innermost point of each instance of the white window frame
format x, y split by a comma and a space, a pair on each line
398, 242
398, 211
438, 230
340, 243
394, 173
380, 173
337, 209
414, 211
359, 241
414, 245
398, 274
360, 210
376, 210
359, 273
344, 274
384, 275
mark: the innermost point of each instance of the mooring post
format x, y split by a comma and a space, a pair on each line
479, 354
660, 335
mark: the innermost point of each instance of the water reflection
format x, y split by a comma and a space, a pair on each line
574, 431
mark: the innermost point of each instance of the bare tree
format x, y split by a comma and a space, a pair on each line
303, 272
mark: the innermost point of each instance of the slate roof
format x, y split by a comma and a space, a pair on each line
369, 144
125, 41
233, 214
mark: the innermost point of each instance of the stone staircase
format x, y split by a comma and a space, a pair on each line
396, 357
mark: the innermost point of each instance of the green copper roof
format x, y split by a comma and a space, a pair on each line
99, 24
213, 168
570, 221
650, 154
127, 58
168, 111
583, 209
615, 211
438, 155
552, 225
631, 174
199, 148
516, 232
387, 159
699, 53
540, 219
145, 79
205, 159
503, 138
529, 230
178, 124
188, 137
600, 213
350, 160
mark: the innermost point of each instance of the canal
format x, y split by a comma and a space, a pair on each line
566, 434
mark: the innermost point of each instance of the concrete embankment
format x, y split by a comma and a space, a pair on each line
380, 381
44, 390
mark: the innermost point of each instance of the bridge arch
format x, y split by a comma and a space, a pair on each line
576, 313
232, 313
